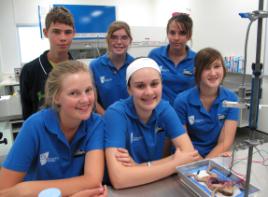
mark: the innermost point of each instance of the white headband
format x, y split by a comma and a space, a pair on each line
143, 62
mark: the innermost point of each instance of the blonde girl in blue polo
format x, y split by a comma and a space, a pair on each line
62, 145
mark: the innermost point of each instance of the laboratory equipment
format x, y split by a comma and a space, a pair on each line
255, 87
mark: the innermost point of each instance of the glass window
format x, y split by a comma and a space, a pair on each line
31, 43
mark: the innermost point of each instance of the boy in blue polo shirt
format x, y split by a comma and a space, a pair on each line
210, 126
176, 60
135, 130
62, 145
109, 70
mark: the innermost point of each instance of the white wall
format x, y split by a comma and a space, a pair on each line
8, 38
1, 63
25, 12
217, 24
163, 9
263, 112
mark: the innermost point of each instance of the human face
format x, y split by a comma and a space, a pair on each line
76, 97
119, 42
212, 76
146, 89
60, 37
177, 36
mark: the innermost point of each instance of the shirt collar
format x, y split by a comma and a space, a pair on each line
51, 121
106, 60
130, 108
52, 124
195, 98
222, 95
190, 52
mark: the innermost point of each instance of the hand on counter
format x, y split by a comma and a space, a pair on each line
20, 189
101, 191
183, 157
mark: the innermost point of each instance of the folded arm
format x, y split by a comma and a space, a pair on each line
140, 174
92, 178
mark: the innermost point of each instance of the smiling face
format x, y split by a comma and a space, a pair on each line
76, 97
212, 75
119, 42
209, 68
145, 86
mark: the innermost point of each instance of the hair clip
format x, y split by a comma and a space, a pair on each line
179, 13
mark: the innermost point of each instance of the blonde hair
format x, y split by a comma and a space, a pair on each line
56, 76
117, 25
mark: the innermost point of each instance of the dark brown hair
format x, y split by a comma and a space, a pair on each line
59, 15
184, 20
203, 59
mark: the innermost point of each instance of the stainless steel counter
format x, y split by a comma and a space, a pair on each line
172, 186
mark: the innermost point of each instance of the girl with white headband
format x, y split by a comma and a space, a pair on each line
136, 128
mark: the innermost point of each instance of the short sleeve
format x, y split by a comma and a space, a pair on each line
172, 123
115, 126
233, 113
24, 149
181, 109
96, 135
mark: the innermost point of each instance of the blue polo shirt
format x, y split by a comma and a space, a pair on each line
144, 142
204, 127
176, 78
42, 151
110, 82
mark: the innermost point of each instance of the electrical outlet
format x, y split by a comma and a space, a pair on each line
17, 73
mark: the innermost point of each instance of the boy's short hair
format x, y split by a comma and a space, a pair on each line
59, 15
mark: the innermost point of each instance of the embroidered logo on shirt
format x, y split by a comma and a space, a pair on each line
191, 120
79, 153
103, 79
134, 138
158, 129
221, 116
44, 158
187, 72
40, 95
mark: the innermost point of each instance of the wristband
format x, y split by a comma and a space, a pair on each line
149, 164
